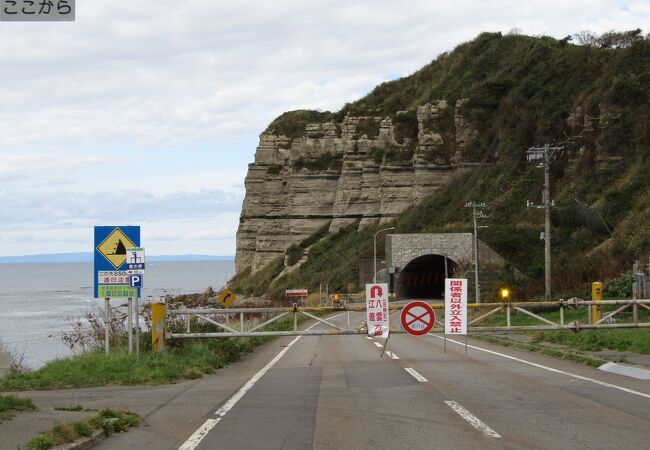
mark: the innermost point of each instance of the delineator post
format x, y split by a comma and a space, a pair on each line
158, 326
596, 296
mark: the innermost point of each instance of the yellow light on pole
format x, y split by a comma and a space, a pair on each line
505, 294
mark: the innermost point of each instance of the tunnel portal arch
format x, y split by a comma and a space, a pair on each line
424, 277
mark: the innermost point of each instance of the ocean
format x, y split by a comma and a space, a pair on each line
39, 301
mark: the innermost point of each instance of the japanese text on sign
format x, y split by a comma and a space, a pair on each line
377, 309
37, 10
455, 306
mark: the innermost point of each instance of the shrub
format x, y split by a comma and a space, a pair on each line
292, 124
294, 253
274, 169
320, 163
368, 126
406, 126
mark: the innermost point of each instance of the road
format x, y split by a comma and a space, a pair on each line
336, 392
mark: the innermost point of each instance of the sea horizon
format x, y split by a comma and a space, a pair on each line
41, 301
85, 257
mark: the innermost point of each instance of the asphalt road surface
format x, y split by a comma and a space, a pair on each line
336, 392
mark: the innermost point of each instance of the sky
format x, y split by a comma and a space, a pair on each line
148, 112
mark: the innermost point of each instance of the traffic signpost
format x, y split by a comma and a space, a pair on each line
417, 318
135, 261
296, 292
226, 298
135, 268
456, 308
111, 275
377, 310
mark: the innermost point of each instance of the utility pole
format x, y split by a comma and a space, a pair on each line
475, 216
545, 154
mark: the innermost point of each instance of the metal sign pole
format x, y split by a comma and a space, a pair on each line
137, 326
383, 350
130, 323
107, 321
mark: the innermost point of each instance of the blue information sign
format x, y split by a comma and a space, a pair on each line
136, 281
110, 272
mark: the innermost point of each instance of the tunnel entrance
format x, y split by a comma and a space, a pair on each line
424, 277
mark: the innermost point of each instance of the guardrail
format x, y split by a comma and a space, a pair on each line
238, 327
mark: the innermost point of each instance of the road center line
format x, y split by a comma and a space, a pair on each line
472, 419
416, 375
203, 430
551, 369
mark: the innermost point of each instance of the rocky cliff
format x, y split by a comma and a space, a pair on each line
366, 168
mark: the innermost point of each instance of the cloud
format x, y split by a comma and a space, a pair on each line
148, 85
66, 210
158, 72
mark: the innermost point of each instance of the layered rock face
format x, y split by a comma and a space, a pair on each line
364, 168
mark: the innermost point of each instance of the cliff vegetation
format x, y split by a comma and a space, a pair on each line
589, 94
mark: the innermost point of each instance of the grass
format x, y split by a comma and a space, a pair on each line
111, 421
187, 359
10, 404
636, 340
624, 340
560, 354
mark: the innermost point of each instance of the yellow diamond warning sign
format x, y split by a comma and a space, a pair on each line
113, 248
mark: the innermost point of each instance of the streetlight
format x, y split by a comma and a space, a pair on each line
374, 280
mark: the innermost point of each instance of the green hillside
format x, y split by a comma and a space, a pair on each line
590, 94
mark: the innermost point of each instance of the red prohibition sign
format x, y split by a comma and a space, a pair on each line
417, 318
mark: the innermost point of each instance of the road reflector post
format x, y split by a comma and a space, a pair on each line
596, 296
158, 311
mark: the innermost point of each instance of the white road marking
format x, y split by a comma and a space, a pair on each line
551, 369
472, 419
369, 338
203, 430
416, 375
378, 344
392, 355
199, 434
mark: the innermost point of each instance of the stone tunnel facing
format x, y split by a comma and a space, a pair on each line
424, 277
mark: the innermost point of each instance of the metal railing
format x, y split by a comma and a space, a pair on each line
240, 327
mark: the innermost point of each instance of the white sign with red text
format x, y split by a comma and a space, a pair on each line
296, 292
377, 309
456, 306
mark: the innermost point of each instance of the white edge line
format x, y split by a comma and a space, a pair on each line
472, 419
369, 338
551, 369
416, 375
378, 344
199, 434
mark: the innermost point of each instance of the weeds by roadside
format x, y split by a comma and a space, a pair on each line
189, 359
10, 404
109, 420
